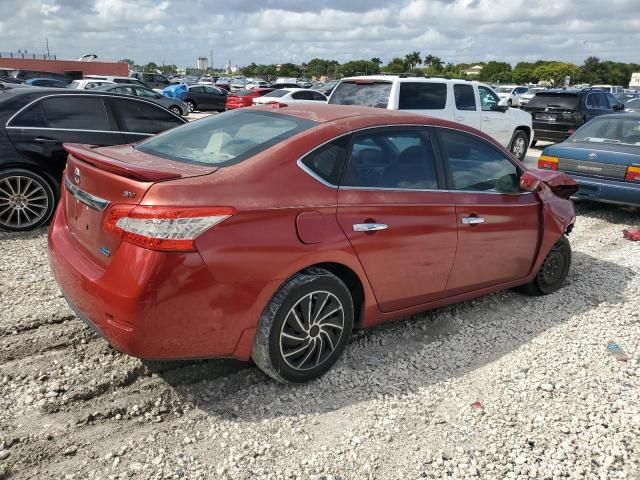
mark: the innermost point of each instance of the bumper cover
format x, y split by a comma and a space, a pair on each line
607, 191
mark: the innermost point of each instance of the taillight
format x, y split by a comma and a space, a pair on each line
168, 229
548, 163
633, 174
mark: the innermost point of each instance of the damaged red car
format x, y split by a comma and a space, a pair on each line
271, 232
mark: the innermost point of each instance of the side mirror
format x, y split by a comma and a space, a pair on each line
529, 182
500, 108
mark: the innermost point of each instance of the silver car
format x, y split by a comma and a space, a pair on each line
175, 105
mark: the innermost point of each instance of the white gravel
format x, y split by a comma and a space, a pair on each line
505, 386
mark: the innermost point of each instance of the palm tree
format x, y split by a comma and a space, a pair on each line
428, 60
412, 59
376, 60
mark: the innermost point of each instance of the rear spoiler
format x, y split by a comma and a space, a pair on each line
88, 154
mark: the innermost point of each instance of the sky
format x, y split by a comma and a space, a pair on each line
278, 31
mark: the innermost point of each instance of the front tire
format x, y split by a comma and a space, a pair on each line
191, 105
553, 272
27, 200
175, 109
519, 144
305, 328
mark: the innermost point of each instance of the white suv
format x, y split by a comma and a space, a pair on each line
510, 94
471, 103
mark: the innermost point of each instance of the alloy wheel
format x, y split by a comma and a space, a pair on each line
311, 330
23, 202
518, 148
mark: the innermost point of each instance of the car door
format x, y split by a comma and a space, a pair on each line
466, 106
40, 130
199, 95
399, 220
217, 100
495, 123
498, 225
139, 119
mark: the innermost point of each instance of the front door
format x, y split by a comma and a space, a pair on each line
495, 123
399, 221
498, 225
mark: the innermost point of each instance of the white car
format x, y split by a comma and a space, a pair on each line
510, 94
525, 98
290, 96
615, 89
88, 84
257, 84
468, 102
114, 79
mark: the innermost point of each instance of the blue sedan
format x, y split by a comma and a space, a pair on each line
603, 156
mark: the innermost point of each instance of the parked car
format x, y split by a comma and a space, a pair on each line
603, 156
187, 265
633, 105
237, 84
326, 88
257, 84
558, 113
470, 103
281, 85
223, 84
291, 96
24, 75
615, 89
88, 84
114, 79
202, 97
46, 82
36, 122
207, 80
175, 105
244, 98
304, 83
510, 94
525, 98
152, 80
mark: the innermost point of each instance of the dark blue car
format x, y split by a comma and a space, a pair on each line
603, 156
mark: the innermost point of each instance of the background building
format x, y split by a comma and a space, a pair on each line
635, 81
202, 63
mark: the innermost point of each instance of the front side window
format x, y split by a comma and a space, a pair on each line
393, 159
198, 89
124, 90
363, 93
76, 113
225, 139
144, 92
465, 97
488, 98
328, 160
422, 96
475, 165
143, 117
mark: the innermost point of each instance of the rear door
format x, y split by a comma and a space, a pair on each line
465, 104
399, 220
138, 119
498, 226
495, 123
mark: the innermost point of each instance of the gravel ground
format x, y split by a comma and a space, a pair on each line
505, 386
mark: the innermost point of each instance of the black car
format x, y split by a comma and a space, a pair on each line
204, 97
558, 113
24, 75
176, 105
34, 125
152, 80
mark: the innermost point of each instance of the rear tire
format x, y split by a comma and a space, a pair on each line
519, 144
305, 327
191, 105
553, 272
27, 200
176, 109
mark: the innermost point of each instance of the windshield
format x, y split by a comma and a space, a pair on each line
504, 89
566, 101
224, 139
623, 131
373, 94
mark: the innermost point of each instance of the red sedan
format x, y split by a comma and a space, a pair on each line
244, 98
271, 232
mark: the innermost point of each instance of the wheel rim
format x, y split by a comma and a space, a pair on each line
191, 106
175, 110
23, 202
312, 330
518, 148
553, 268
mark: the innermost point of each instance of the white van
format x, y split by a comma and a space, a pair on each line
471, 103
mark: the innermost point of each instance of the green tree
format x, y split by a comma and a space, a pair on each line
320, 67
359, 67
412, 60
289, 70
496, 72
151, 67
377, 61
396, 65
555, 72
523, 73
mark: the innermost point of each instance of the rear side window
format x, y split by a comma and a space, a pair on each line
225, 139
422, 96
474, 165
465, 97
395, 159
302, 95
142, 117
32, 117
327, 161
76, 113
369, 94
565, 101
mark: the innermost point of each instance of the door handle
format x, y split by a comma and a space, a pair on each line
472, 220
46, 140
369, 227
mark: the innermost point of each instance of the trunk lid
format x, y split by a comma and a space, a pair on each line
96, 179
596, 159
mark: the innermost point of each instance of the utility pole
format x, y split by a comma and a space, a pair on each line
211, 60
48, 54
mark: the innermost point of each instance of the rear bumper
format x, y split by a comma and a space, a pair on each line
550, 135
149, 304
607, 191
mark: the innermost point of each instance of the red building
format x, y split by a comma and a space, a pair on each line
70, 67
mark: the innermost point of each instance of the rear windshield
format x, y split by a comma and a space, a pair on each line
374, 94
607, 129
224, 139
567, 101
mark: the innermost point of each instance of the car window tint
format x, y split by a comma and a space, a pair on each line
422, 96
31, 117
198, 89
488, 99
327, 161
212, 90
374, 94
143, 92
124, 90
79, 113
143, 117
400, 159
301, 95
318, 97
474, 165
465, 97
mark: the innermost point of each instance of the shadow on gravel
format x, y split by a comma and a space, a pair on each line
403, 357
615, 214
